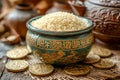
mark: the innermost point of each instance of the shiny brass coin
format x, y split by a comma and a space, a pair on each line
18, 52
102, 52
41, 69
92, 58
77, 70
104, 64
17, 65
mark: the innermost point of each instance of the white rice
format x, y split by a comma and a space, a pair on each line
60, 21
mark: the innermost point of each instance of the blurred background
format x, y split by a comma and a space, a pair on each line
105, 15
15, 13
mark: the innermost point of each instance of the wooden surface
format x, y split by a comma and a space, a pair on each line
58, 74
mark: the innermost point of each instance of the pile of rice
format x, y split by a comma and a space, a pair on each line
60, 21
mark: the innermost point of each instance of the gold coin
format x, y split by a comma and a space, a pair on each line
102, 52
77, 70
41, 69
92, 58
18, 52
17, 65
104, 64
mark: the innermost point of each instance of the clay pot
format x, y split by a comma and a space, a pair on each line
77, 7
68, 6
16, 20
105, 15
60, 5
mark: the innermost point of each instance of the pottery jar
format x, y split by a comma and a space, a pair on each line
60, 48
17, 18
77, 6
60, 5
105, 15
72, 7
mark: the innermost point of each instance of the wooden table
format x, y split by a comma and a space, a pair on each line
58, 74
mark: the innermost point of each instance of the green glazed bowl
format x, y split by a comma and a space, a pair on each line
60, 48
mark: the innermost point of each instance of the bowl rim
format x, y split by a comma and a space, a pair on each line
107, 35
59, 33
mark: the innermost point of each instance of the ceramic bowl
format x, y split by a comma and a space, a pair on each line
60, 48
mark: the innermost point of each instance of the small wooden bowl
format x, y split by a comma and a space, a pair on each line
109, 41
